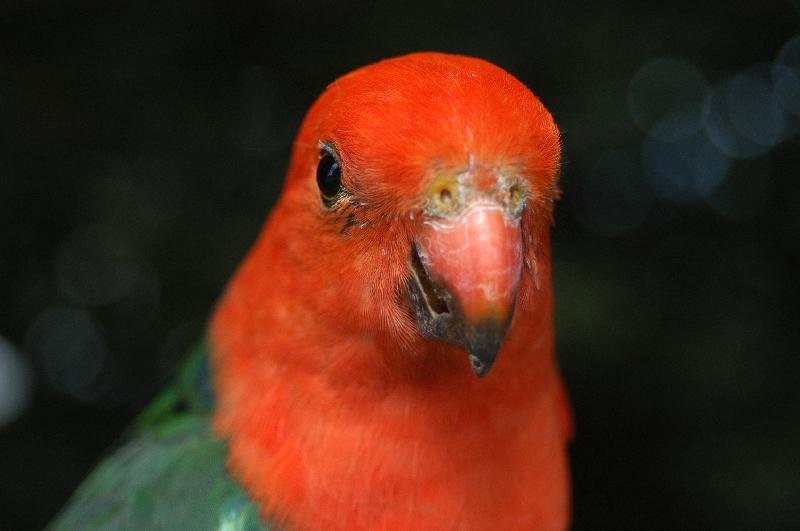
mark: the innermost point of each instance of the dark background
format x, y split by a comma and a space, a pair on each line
142, 146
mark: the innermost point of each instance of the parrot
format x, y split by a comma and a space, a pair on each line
383, 357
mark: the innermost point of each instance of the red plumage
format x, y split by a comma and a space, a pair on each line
339, 412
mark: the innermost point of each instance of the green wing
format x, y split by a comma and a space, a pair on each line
170, 475
190, 392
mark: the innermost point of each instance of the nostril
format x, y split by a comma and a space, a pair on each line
445, 196
515, 197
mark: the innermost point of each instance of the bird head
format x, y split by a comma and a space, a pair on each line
417, 203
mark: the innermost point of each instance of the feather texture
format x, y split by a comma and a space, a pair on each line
339, 413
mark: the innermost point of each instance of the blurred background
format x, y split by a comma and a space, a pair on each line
142, 146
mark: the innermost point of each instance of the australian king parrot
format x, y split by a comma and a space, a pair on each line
383, 358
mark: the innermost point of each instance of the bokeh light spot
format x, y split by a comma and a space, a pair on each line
96, 265
685, 169
743, 117
15, 384
667, 86
122, 201
754, 110
70, 348
786, 75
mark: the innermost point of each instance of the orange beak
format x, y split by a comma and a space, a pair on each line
473, 263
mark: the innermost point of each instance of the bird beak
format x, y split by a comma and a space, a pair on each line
466, 271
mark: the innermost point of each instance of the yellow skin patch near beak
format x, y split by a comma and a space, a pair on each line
443, 196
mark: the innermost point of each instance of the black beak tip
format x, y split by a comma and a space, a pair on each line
480, 367
483, 344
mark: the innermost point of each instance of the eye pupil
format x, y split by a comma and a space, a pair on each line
329, 176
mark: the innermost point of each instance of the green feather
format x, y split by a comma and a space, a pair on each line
170, 474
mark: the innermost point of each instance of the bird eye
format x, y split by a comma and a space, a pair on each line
329, 176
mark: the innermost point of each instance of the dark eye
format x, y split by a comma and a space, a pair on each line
329, 176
